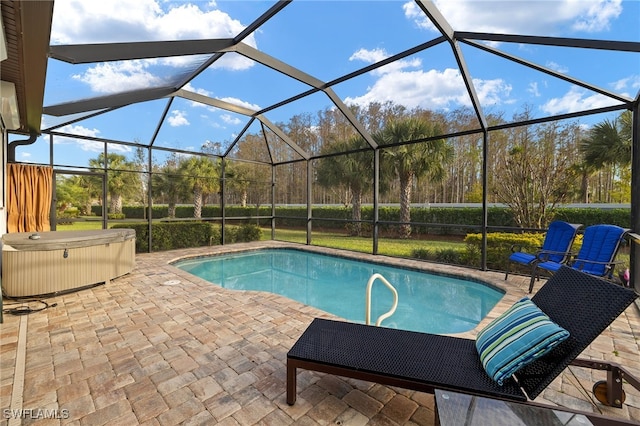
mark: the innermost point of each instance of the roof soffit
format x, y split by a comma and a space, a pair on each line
27, 28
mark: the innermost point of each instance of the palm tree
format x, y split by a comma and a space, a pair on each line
122, 179
166, 184
354, 171
249, 182
609, 146
583, 171
202, 177
609, 142
413, 160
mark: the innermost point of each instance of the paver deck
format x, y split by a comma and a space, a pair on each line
162, 347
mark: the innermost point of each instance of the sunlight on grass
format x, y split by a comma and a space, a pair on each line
79, 226
386, 246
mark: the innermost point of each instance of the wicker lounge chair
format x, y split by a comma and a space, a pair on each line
582, 304
556, 246
600, 244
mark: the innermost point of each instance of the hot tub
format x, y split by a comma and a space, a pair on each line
50, 262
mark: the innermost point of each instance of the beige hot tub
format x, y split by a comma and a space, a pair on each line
65, 260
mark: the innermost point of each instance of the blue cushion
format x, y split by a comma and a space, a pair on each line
550, 266
517, 337
599, 244
521, 257
558, 239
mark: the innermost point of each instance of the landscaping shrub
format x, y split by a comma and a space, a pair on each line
590, 216
67, 217
422, 253
176, 235
230, 234
71, 212
454, 256
248, 232
499, 246
449, 255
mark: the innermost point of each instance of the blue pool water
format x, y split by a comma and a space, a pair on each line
426, 302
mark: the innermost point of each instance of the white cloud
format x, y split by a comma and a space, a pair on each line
369, 56
377, 55
576, 99
77, 130
142, 20
628, 83
242, 103
114, 77
189, 87
510, 17
83, 144
431, 89
533, 89
231, 100
404, 83
103, 21
557, 67
77, 22
202, 92
492, 92
598, 16
414, 13
229, 119
178, 118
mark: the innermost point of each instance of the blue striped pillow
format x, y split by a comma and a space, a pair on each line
517, 337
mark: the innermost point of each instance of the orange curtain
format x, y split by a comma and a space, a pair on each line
29, 191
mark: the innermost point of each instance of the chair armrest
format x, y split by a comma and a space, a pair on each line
615, 262
516, 248
608, 266
543, 255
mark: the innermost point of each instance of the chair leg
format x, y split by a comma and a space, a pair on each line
291, 383
508, 268
609, 392
534, 274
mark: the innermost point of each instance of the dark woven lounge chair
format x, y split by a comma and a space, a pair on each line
582, 304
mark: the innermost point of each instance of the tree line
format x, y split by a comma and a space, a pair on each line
530, 168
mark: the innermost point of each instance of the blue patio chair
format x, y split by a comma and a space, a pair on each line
555, 247
600, 244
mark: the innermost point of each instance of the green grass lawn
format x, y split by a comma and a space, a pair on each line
83, 225
386, 246
79, 226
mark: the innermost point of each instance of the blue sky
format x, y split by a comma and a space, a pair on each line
327, 39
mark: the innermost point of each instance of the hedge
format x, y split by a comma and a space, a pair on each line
499, 246
448, 221
176, 235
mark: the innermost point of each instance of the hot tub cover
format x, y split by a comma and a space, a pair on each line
56, 240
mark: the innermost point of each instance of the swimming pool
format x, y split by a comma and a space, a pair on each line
426, 302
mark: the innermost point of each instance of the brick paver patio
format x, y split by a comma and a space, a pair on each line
161, 347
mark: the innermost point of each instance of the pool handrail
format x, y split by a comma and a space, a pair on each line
368, 300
